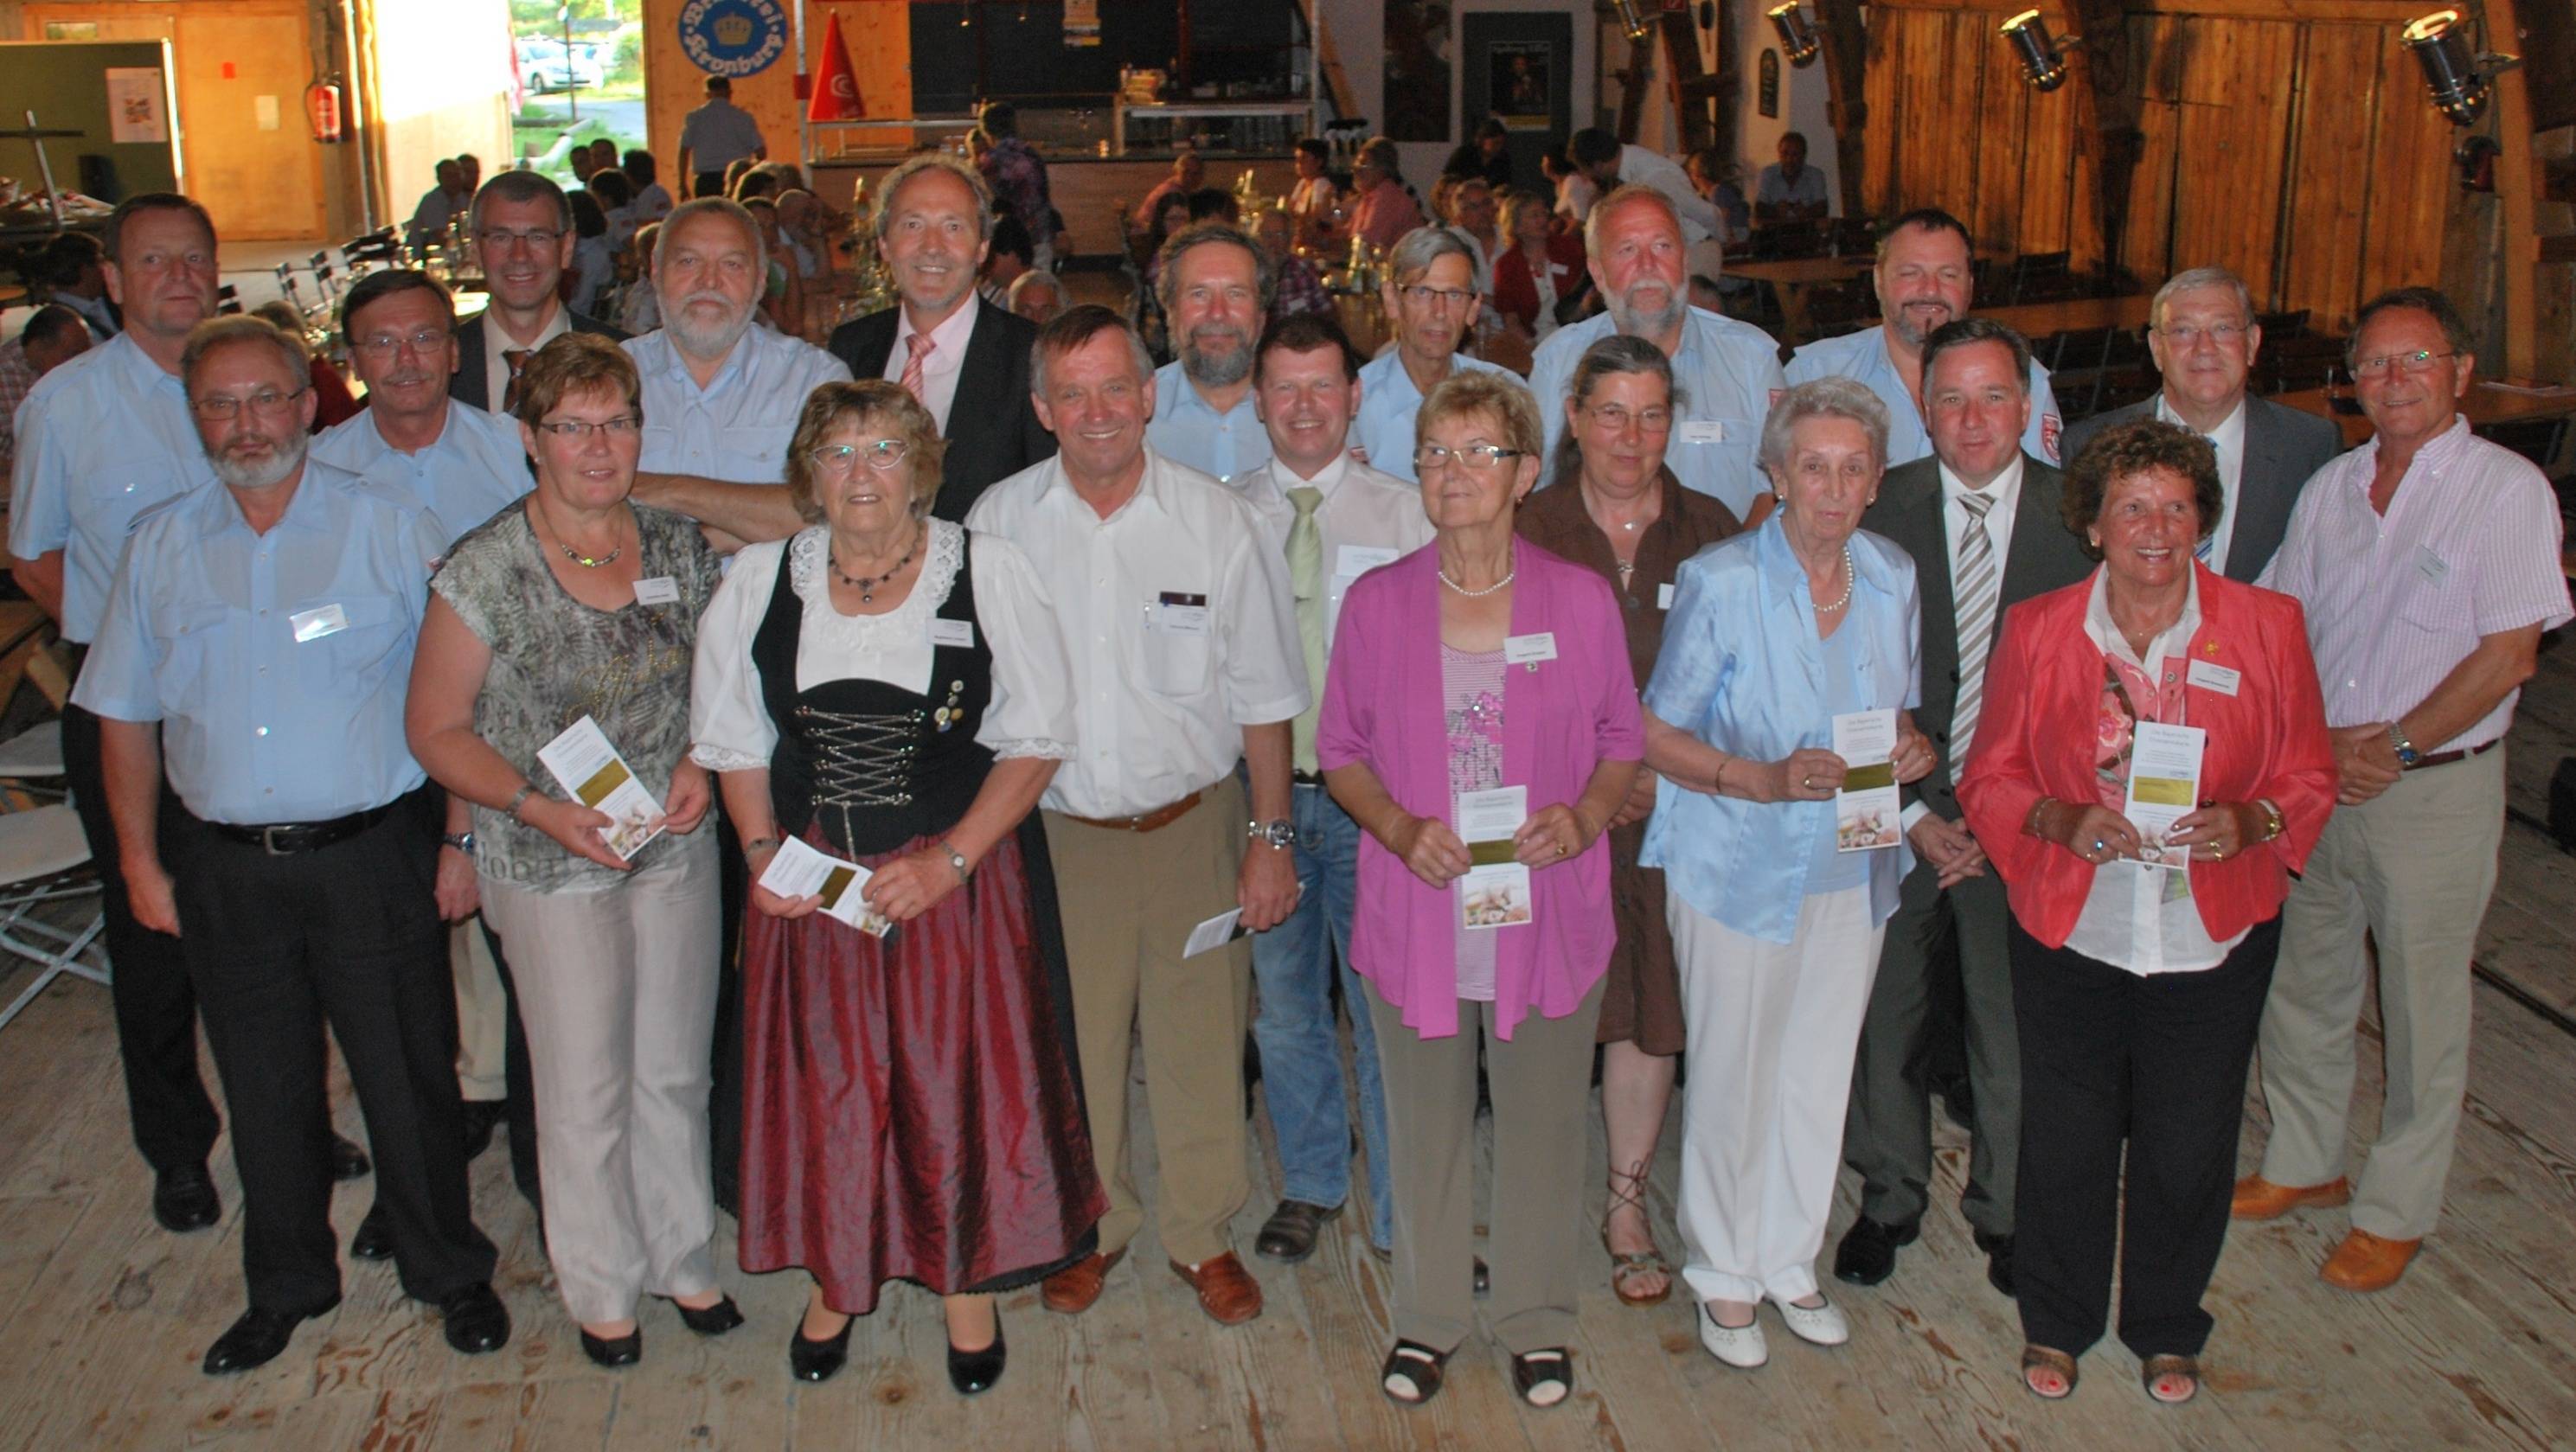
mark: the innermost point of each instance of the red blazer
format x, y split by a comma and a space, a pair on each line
1516, 295
2036, 736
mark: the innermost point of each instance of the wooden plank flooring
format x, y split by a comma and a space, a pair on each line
104, 1316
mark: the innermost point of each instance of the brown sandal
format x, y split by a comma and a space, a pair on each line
2035, 1357
2156, 1368
1626, 1266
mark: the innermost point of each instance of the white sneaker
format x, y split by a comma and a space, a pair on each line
1737, 1346
1823, 1325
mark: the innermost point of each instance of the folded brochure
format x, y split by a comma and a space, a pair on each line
799, 871
590, 769
2164, 787
1495, 891
1866, 810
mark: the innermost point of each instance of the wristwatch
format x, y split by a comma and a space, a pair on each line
461, 841
1281, 833
2407, 755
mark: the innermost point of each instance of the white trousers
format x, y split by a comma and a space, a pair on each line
1772, 1031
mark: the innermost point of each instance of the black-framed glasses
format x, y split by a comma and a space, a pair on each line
573, 429
1444, 297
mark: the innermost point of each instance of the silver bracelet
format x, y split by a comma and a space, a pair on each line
511, 811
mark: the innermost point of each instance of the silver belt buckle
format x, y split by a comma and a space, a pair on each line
268, 842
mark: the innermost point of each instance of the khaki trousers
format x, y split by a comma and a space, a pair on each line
1542, 1104
1129, 900
482, 1015
2414, 866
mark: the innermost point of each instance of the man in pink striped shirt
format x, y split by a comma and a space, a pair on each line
2428, 561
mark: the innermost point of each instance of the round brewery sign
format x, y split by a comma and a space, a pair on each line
733, 37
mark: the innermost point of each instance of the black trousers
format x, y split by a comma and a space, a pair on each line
156, 1008
349, 937
2159, 1061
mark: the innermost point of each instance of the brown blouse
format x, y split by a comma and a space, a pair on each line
1555, 520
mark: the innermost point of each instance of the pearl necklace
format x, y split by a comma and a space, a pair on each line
1849, 574
1489, 589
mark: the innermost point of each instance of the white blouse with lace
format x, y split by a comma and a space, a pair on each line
1031, 712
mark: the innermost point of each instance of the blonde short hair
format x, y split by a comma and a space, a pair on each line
1497, 396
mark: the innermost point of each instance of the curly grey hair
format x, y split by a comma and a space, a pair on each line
1830, 397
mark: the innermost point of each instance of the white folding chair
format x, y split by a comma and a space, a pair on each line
44, 858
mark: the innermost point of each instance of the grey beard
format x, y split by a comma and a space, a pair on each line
709, 343
1216, 371
285, 459
1634, 324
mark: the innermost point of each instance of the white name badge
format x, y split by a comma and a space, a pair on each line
1663, 597
1529, 650
2430, 565
958, 633
659, 590
318, 622
1353, 561
2210, 676
1175, 613
1700, 431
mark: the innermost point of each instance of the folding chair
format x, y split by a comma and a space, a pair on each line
44, 858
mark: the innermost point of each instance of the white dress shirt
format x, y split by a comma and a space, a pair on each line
2229, 440
947, 354
474, 469
1368, 518
737, 427
2005, 490
1176, 621
1639, 166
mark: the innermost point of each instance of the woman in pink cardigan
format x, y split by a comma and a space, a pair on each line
1462, 673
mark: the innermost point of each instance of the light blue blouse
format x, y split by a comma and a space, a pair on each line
1742, 669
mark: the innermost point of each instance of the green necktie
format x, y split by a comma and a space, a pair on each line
1306, 578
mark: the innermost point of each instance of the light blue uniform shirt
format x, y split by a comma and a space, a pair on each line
475, 469
1742, 669
1186, 431
1728, 373
737, 427
1388, 401
1863, 358
259, 728
100, 439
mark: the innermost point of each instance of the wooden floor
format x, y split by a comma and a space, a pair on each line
103, 1315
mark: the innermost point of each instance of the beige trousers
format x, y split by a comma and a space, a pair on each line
482, 1015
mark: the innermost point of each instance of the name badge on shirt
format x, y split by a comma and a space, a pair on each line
1529, 650
1175, 613
1353, 561
1664, 597
659, 590
958, 633
318, 622
1702, 431
2430, 565
2210, 676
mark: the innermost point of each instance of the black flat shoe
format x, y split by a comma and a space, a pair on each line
256, 1339
1999, 1261
348, 1162
974, 1371
1867, 1254
477, 1321
184, 1199
375, 1237
1288, 1236
713, 1320
1412, 1373
822, 1360
1544, 1378
614, 1351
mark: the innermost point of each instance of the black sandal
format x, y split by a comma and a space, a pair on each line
1544, 1378
2035, 1357
2156, 1368
1411, 1375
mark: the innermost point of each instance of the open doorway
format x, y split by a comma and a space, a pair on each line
581, 77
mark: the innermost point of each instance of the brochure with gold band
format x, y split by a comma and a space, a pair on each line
2164, 787
593, 774
1866, 809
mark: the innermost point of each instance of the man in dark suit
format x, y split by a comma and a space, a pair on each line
522, 229
934, 222
2204, 339
1985, 524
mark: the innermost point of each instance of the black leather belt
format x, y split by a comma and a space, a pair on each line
2445, 758
287, 838
1307, 778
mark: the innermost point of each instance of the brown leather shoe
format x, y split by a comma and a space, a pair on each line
1071, 1290
1227, 1292
2257, 1198
2365, 1262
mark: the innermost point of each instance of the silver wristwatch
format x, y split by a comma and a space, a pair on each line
1281, 833
461, 841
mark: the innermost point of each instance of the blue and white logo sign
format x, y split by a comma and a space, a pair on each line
733, 37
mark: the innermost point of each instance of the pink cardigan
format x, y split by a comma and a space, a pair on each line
1383, 708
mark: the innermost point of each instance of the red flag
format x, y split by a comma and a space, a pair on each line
836, 86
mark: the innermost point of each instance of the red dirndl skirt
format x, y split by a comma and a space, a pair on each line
912, 1109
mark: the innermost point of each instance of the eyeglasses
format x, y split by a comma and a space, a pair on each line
386, 345
267, 402
842, 458
1442, 297
2419, 361
573, 429
2187, 335
1479, 457
500, 239
1616, 418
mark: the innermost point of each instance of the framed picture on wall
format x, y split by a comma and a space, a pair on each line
1520, 81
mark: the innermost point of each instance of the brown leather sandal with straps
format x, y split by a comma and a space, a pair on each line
1629, 1266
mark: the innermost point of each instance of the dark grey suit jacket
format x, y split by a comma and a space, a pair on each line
468, 383
2284, 448
2041, 556
993, 429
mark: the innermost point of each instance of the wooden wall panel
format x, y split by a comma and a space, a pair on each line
2233, 123
2411, 181
2336, 112
1880, 88
2001, 196
2050, 162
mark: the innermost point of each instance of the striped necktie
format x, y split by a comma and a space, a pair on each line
1979, 586
920, 344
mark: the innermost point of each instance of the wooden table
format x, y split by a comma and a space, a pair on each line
2038, 320
2484, 404
1793, 278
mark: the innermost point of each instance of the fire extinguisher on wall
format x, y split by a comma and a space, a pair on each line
322, 112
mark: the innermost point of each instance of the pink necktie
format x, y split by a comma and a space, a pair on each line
921, 345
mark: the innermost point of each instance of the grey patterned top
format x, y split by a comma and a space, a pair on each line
555, 660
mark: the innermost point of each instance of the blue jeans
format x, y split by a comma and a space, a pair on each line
1301, 1061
